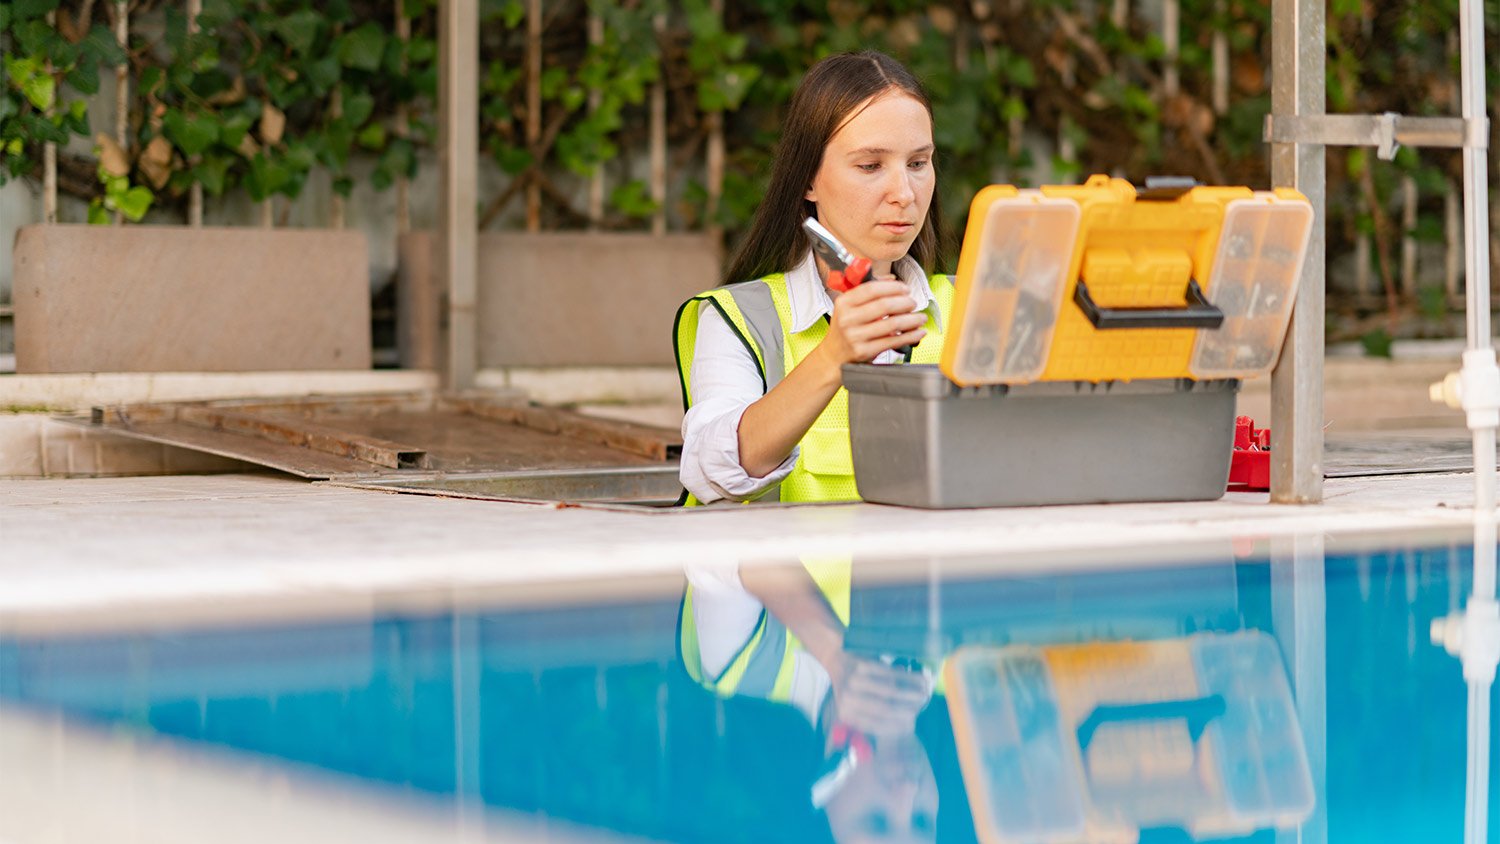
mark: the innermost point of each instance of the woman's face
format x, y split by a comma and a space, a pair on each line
875, 183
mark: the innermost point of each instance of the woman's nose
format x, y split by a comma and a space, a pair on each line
901, 192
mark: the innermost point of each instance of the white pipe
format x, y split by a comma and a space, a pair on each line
1477, 779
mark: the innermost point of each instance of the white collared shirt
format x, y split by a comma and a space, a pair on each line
726, 380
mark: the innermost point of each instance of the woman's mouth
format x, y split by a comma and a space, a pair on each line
897, 227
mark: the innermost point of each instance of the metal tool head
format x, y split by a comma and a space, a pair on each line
826, 245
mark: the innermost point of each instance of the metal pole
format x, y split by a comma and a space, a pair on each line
1299, 604
1476, 237
458, 232
1298, 67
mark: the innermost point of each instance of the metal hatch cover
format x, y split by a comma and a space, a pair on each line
414, 437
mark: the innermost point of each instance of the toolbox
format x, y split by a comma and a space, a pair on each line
1094, 742
1098, 338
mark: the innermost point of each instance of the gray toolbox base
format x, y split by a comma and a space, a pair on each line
921, 441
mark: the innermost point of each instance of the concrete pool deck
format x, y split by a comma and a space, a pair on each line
95, 554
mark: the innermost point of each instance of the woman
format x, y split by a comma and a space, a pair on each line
760, 360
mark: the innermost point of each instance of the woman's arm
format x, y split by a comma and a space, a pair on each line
867, 694
865, 323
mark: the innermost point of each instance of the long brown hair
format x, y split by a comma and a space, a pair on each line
829, 93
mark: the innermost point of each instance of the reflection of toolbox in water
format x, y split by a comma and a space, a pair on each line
1097, 341
1095, 742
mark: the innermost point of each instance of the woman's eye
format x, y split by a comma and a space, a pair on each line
918, 164
868, 168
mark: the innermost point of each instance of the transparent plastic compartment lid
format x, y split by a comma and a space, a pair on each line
1042, 782
1005, 329
1254, 282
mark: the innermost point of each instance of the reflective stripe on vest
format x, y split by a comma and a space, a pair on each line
756, 312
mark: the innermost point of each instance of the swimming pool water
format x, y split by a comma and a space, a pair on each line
584, 713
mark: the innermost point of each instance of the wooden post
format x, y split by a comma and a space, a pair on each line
659, 138
1171, 37
122, 85
335, 111
403, 186
1221, 63
49, 157
1453, 241
714, 161
596, 179
458, 146
534, 108
195, 193
1361, 261
1065, 148
1408, 240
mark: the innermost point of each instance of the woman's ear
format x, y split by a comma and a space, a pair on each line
811, 196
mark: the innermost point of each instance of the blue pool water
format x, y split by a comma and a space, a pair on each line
585, 714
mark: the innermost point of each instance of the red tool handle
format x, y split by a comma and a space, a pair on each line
850, 277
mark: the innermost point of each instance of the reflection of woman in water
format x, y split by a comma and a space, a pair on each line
878, 783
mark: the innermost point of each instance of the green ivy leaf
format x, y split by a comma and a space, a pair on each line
216, 14
233, 127
97, 215
512, 159
357, 107
322, 74
192, 134
84, 78
102, 45
299, 30
633, 200
266, 178
301, 157
399, 158
134, 203
30, 9
372, 136
212, 172
362, 49
40, 90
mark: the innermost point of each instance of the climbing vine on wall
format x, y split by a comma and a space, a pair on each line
264, 93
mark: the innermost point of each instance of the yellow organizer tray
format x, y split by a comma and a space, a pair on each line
1097, 283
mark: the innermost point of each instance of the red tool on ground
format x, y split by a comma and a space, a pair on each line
1250, 466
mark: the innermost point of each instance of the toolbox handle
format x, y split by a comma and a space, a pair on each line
1197, 712
1199, 313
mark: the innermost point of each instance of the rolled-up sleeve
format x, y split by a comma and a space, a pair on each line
725, 382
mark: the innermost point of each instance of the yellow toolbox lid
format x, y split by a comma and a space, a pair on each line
1096, 282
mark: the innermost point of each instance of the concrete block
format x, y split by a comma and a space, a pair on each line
163, 299
83, 457
561, 298
20, 446
57, 458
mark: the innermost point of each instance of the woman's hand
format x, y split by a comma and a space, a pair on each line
872, 318
876, 698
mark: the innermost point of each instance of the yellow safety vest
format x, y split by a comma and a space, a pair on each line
759, 313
